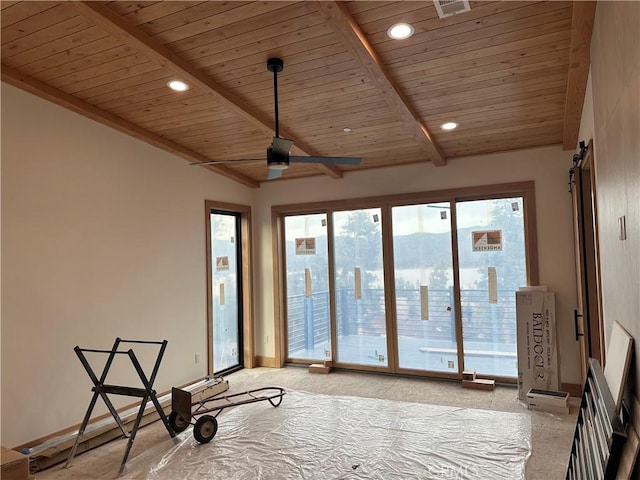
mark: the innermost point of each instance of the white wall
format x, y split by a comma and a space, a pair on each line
548, 167
615, 70
102, 236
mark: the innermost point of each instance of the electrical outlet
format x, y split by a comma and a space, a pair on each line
197, 358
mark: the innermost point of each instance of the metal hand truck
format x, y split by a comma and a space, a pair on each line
205, 427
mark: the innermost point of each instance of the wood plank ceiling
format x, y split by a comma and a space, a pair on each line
511, 74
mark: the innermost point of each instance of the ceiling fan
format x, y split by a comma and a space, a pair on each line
278, 157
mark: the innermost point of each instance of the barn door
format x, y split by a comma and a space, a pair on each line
587, 316
579, 311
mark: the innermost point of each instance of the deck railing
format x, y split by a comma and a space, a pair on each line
483, 322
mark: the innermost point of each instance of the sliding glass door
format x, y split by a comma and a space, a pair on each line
307, 266
409, 286
492, 266
424, 294
361, 334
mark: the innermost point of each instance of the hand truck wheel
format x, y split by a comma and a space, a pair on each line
177, 423
205, 428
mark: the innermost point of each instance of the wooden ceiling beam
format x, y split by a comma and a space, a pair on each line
31, 85
345, 26
579, 61
105, 18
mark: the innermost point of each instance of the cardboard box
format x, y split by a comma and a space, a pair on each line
548, 401
536, 339
15, 465
479, 384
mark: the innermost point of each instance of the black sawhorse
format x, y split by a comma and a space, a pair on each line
101, 390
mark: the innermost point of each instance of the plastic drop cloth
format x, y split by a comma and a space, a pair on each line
325, 437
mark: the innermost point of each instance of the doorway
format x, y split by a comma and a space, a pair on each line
307, 266
229, 312
457, 311
492, 266
427, 338
420, 284
358, 279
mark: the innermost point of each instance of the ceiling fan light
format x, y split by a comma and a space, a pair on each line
400, 31
278, 166
277, 160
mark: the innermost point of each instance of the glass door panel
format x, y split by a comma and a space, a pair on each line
307, 286
492, 259
226, 292
425, 305
359, 288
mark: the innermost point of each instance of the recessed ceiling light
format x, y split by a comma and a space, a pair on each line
178, 86
400, 31
346, 129
449, 126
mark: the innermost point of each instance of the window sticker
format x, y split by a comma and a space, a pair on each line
486, 240
306, 246
222, 263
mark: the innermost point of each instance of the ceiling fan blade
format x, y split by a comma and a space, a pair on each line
329, 160
281, 146
215, 162
274, 173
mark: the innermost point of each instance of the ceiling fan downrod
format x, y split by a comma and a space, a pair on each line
275, 65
